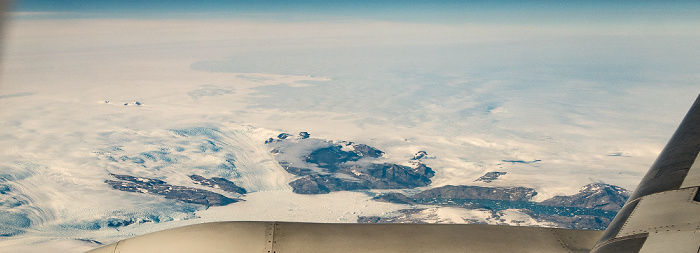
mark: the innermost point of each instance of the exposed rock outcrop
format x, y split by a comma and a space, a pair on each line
344, 166
391, 176
490, 176
419, 155
394, 197
477, 192
159, 187
319, 184
596, 195
364, 150
330, 157
218, 183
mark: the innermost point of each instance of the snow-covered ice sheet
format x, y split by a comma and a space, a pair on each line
167, 99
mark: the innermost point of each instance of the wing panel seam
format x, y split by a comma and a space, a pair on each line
270, 238
561, 242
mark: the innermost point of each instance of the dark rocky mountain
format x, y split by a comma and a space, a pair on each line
320, 184
592, 208
490, 176
596, 195
364, 150
283, 136
421, 169
217, 182
477, 192
298, 171
159, 187
391, 176
330, 157
373, 176
419, 155
394, 197
338, 162
333, 156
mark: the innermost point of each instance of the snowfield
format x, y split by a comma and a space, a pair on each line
119, 96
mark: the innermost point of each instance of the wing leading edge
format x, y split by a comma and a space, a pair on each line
283, 237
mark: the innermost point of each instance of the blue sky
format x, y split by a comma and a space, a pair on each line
418, 11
